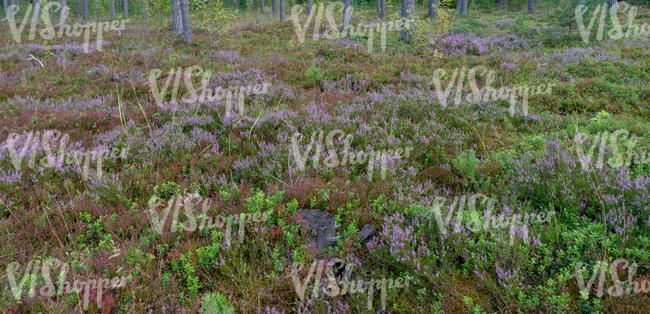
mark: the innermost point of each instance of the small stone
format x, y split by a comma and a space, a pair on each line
322, 223
366, 233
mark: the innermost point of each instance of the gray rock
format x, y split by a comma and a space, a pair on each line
321, 223
366, 233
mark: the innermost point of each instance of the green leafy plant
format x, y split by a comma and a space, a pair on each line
216, 303
467, 164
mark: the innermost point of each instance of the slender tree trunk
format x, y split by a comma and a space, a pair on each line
113, 15
406, 14
63, 12
145, 10
77, 8
347, 12
531, 6
275, 7
308, 7
382, 14
459, 4
37, 10
378, 6
463, 9
85, 17
185, 15
282, 11
5, 5
262, 5
176, 17
126, 9
433, 4
501, 5
611, 3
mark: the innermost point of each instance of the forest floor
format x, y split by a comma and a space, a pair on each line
104, 225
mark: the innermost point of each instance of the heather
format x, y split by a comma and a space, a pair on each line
242, 161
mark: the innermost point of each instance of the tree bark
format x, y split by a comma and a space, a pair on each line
126, 9
407, 9
5, 5
463, 8
459, 4
347, 12
113, 15
176, 17
37, 10
308, 7
282, 11
433, 4
501, 5
275, 7
531, 6
145, 9
611, 3
382, 14
85, 4
262, 5
185, 15
63, 12
378, 6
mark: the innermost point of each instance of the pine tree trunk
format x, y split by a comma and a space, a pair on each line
85, 17
126, 9
382, 14
145, 10
5, 5
611, 3
37, 10
282, 11
378, 6
463, 9
347, 12
531, 6
275, 7
185, 15
176, 17
501, 5
433, 4
113, 15
406, 14
262, 5
308, 7
459, 4
63, 17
